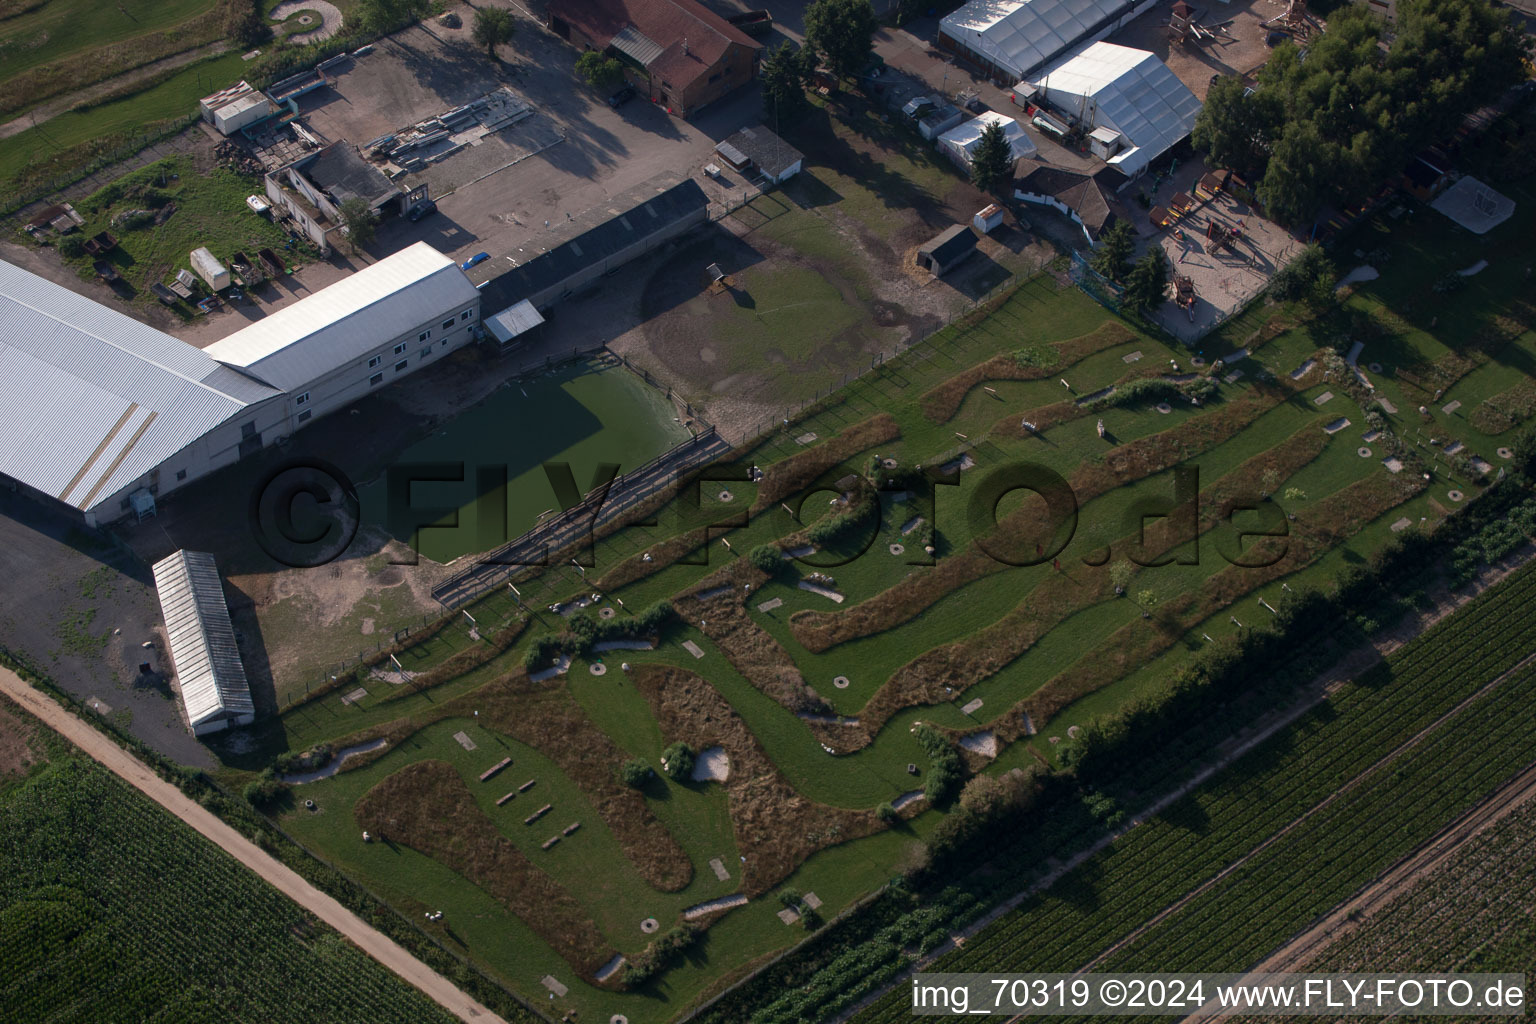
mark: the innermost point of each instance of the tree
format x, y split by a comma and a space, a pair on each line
992, 161
1121, 574
359, 221
493, 27
1236, 128
600, 72
381, 16
1147, 284
634, 773
677, 762
1331, 128
785, 73
767, 558
1112, 258
244, 24
842, 31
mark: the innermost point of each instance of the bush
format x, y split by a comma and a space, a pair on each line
945, 770
634, 773
264, 792
72, 246
677, 761
659, 954
1309, 276
1036, 356
887, 813
303, 761
831, 529
767, 558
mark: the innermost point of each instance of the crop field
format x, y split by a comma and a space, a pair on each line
1343, 793
959, 564
111, 909
1471, 913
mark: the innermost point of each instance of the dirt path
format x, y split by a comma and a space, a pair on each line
1444, 602
47, 111
283, 878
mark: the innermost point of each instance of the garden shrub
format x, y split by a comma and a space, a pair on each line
767, 558
634, 773
677, 761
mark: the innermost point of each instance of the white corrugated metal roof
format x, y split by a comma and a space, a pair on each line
93, 399
631, 42
513, 321
300, 343
1130, 91
202, 639
1021, 35
963, 138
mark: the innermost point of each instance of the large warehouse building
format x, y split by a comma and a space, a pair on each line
1010, 39
103, 413
1134, 107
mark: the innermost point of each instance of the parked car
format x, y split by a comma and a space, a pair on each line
421, 210
477, 258
623, 96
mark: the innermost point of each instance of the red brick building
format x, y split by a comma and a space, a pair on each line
678, 53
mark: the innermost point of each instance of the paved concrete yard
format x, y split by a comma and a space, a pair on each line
1238, 49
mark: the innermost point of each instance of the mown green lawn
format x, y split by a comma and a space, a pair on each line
59, 28
1036, 314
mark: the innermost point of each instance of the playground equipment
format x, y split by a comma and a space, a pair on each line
1184, 294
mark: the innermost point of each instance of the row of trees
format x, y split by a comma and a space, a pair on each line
1333, 122
1145, 282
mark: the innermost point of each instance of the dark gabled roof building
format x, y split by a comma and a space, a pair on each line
758, 147
572, 265
683, 55
1088, 199
947, 250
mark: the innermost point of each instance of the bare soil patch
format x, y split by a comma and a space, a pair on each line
776, 827
427, 807
821, 630
796, 473
941, 403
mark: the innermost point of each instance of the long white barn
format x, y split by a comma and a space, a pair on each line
99, 407
209, 672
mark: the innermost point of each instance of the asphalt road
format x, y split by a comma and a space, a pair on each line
137, 774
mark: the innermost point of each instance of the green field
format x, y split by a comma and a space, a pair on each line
111, 909
813, 689
208, 210
579, 414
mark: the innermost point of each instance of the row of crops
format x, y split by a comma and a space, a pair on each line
1338, 850
110, 909
1471, 913
1159, 862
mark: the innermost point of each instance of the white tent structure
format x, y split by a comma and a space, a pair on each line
1137, 108
1012, 38
202, 639
961, 141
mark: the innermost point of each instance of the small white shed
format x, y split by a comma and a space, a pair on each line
210, 269
988, 218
